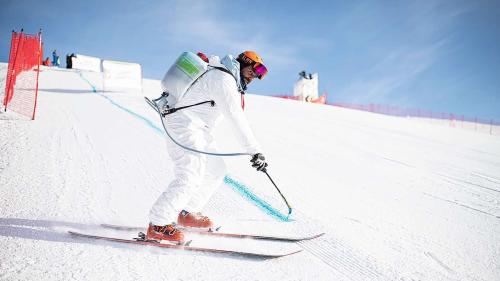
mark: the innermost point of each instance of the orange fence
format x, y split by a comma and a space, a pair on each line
21, 88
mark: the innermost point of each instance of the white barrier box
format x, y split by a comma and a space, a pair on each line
86, 63
121, 76
306, 88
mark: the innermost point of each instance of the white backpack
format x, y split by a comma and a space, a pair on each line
186, 70
180, 76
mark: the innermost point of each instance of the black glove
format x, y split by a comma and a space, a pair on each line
259, 162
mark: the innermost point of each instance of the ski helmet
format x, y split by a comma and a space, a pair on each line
252, 58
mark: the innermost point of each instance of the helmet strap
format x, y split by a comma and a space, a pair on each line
242, 82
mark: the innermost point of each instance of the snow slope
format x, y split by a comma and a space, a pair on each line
397, 198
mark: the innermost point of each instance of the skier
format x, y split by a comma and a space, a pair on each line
198, 175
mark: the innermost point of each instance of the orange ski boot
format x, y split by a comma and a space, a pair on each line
166, 232
196, 220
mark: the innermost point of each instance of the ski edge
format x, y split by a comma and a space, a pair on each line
224, 234
186, 248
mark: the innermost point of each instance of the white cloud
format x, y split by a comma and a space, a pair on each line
431, 27
398, 68
215, 29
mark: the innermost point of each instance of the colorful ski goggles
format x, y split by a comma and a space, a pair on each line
260, 70
252, 58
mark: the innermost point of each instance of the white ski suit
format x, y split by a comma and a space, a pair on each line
198, 175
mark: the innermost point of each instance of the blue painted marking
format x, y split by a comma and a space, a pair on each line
142, 118
240, 188
263, 205
88, 82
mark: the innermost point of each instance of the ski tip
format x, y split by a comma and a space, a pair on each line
285, 254
265, 256
305, 238
315, 236
292, 253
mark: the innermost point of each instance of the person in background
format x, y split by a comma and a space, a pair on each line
55, 59
69, 60
302, 74
46, 62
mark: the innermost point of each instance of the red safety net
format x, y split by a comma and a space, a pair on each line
451, 119
21, 87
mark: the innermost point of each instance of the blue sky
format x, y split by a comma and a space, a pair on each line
437, 55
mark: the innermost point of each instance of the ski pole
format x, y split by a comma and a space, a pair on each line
284, 199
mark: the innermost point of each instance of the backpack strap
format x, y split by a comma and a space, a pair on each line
242, 92
223, 69
212, 102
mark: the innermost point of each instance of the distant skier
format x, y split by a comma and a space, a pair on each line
198, 175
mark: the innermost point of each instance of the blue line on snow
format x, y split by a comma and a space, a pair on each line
240, 188
88, 82
244, 191
144, 119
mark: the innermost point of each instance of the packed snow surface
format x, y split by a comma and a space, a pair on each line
397, 198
